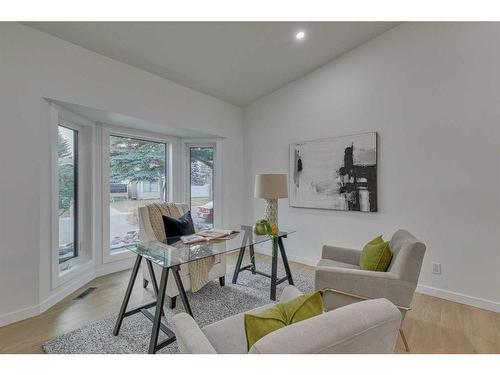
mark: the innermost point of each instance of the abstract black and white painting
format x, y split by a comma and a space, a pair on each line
336, 173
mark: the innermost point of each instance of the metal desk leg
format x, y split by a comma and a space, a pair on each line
126, 299
240, 257
285, 261
158, 312
252, 253
182, 291
153, 281
274, 268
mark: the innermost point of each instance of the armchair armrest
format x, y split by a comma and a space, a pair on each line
190, 337
367, 284
341, 254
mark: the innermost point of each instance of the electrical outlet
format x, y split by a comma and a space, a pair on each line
436, 268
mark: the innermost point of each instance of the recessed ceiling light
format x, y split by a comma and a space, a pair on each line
300, 35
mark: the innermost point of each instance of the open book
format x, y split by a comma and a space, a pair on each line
207, 235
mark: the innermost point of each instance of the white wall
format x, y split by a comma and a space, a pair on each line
432, 92
34, 65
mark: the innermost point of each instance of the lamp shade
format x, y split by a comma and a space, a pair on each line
271, 186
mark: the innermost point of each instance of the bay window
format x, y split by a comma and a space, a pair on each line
135, 173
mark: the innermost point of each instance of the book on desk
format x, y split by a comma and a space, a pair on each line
207, 235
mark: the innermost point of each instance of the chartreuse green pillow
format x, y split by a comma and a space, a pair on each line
376, 255
281, 315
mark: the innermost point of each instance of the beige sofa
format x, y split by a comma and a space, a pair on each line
365, 327
146, 233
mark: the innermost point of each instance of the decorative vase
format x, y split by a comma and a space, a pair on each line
272, 211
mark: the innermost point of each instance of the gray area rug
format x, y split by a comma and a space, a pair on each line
210, 304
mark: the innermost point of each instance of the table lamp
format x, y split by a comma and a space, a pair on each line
271, 187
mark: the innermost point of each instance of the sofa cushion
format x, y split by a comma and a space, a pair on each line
334, 263
363, 327
228, 335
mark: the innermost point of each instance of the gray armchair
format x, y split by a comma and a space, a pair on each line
338, 273
365, 327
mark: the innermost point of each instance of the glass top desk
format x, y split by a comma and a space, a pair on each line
172, 253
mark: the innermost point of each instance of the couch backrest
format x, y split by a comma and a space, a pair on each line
408, 254
365, 327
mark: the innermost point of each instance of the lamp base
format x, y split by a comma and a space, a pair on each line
272, 210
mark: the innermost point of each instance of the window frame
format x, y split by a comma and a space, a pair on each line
171, 171
85, 230
216, 143
76, 155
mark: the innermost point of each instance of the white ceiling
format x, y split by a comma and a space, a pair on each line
237, 62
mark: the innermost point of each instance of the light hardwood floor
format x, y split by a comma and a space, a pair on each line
433, 326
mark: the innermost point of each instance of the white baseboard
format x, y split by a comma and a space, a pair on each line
70, 287
18, 315
459, 297
54, 298
424, 289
